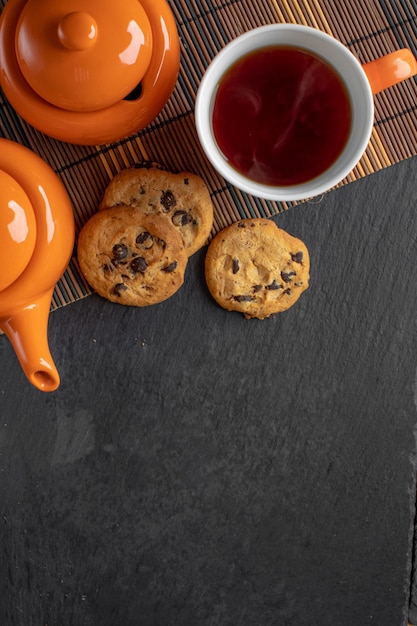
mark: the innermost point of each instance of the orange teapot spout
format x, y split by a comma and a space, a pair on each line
37, 233
27, 332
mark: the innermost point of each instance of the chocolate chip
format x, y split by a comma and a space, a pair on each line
139, 264
256, 288
186, 181
145, 239
168, 200
181, 218
273, 285
236, 266
243, 298
286, 276
241, 225
297, 257
120, 252
170, 268
287, 292
118, 289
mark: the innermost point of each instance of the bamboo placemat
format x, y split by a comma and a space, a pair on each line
369, 29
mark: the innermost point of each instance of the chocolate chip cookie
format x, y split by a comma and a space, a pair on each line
131, 258
183, 199
256, 268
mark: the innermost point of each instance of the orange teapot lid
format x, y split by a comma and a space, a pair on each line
17, 230
83, 55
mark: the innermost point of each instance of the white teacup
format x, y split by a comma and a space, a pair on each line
361, 83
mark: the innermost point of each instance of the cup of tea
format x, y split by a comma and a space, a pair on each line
284, 112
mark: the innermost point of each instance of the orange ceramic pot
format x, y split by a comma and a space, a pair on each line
88, 71
36, 241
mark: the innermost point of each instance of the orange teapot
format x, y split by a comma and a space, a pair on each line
37, 234
88, 71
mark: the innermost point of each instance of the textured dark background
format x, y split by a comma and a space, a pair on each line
196, 468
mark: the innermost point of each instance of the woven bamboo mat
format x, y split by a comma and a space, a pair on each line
369, 29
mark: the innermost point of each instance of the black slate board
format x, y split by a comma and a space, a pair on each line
196, 468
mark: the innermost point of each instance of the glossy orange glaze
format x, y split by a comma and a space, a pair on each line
66, 116
390, 69
83, 55
25, 303
17, 230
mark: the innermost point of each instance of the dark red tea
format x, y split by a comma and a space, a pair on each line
281, 116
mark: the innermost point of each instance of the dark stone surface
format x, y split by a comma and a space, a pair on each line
196, 468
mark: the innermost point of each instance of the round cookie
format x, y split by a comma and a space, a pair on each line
183, 199
256, 268
131, 258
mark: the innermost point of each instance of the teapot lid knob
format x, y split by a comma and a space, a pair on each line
77, 30
17, 230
